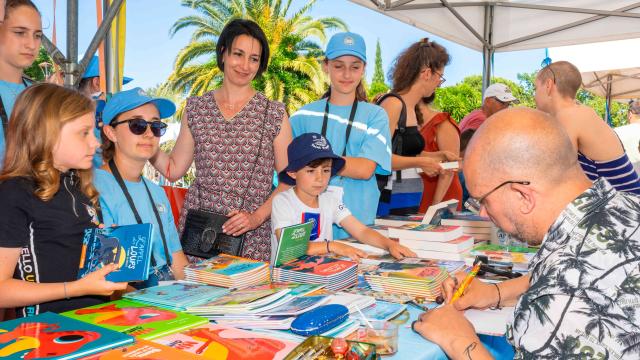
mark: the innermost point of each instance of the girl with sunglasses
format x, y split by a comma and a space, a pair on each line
20, 38
48, 200
130, 137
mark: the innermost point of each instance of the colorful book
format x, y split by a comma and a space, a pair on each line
228, 271
435, 213
248, 300
293, 242
382, 311
398, 220
334, 274
457, 245
145, 350
53, 336
177, 295
128, 246
426, 232
137, 319
219, 342
411, 279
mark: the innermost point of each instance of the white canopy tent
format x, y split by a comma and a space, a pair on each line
496, 26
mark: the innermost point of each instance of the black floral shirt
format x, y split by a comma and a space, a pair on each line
584, 296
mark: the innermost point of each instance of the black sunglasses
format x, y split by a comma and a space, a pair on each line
139, 126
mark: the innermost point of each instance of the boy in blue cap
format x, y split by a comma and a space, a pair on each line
130, 137
312, 163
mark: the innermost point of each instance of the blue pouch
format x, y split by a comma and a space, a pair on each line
320, 320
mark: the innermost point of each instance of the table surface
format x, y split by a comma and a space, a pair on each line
415, 347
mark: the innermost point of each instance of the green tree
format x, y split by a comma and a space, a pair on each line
294, 75
378, 85
165, 91
35, 71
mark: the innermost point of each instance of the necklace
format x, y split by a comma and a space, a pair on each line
229, 106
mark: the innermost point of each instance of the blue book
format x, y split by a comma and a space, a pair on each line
129, 246
177, 295
55, 337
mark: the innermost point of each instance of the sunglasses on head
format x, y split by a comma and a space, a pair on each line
139, 126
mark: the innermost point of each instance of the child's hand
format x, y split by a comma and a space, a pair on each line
348, 251
400, 251
95, 283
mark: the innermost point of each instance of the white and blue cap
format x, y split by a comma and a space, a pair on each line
131, 99
306, 148
93, 70
346, 43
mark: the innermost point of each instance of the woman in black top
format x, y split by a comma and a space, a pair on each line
47, 201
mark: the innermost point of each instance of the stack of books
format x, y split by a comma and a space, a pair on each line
136, 319
334, 274
228, 271
177, 295
479, 227
514, 257
417, 280
249, 300
440, 242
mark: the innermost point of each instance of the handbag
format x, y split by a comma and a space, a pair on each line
176, 197
384, 185
203, 236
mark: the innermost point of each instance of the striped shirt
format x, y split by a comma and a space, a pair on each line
618, 172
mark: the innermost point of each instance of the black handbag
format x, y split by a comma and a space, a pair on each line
396, 147
203, 236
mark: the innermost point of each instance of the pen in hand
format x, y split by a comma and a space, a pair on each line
465, 283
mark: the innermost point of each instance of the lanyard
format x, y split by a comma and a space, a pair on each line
116, 174
3, 111
352, 115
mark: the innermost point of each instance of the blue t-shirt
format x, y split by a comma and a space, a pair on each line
9, 92
369, 139
116, 210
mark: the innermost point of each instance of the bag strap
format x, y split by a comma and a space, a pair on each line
352, 115
397, 138
123, 187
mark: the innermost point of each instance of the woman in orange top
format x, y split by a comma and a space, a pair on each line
440, 132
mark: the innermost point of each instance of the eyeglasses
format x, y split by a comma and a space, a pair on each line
139, 126
442, 79
476, 202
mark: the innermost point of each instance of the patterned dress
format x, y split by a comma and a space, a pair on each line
234, 162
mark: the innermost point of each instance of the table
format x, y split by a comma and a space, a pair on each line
414, 347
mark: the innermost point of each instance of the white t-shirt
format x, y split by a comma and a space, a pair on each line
287, 210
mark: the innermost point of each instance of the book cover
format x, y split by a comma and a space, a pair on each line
435, 213
398, 220
129, 246
383, 311
425, 232
441, 255
318, 265
219, 342
53, 336
146, 350
467, 219
177, 295
140, 320
293, 242
226, 265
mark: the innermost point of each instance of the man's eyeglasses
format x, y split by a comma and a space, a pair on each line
139, 126
476, 202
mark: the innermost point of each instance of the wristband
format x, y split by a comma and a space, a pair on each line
497, 307
328, 251
64, 285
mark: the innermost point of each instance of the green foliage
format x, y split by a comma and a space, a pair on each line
190, 176
165, 91
378, 86
35, 71
294, 74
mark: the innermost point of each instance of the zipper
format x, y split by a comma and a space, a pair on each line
73, 198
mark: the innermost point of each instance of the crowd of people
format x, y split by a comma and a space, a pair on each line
557, 177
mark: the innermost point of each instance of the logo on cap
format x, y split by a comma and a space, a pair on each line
348, 40
320, 143
141, 93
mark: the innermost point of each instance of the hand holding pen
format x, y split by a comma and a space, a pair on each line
471, 292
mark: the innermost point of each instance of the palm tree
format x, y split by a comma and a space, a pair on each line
294, 75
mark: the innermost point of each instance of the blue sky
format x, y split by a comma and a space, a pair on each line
150, 51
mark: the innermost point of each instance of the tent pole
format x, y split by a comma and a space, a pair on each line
487, 47
71, 66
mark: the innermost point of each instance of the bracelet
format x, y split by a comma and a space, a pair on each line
497, 307
328, 250
64, 285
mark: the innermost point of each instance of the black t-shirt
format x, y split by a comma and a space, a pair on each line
50, 235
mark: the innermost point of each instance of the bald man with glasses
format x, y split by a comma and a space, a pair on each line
582, 294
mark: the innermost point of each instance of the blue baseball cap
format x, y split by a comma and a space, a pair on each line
131, 99
306, 148
93, 70
346, 43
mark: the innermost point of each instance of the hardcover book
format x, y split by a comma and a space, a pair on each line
425, 232
53, 336
132, 318
128, 246
435, 213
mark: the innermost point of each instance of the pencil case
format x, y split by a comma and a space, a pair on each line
320, 320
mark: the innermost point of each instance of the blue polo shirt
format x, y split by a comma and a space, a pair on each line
369, 139
116, 210
9, 92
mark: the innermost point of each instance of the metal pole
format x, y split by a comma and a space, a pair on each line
107, 51
487, 47
53, 51
103, 29
71, 67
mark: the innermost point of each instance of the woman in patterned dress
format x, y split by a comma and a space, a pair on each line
236, 137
